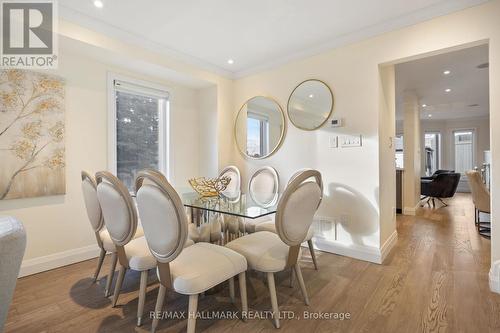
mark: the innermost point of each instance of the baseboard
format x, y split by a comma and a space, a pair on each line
356, 251
388, 245
412, 211
494, 277
51, 261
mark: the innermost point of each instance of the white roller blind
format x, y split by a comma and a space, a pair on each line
136, 88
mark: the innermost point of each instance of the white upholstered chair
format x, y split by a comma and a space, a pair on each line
231, 225
12, 246
481, 199
270, 225
191, 270
234, 187
263, 189
120, 217
274, 252
94, 213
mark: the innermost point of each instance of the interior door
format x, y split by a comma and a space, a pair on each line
464, 155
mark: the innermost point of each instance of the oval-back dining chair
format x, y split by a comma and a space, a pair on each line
96, 218
191, 270
234, 187
271, 226
274, 252
121, 220
263, 189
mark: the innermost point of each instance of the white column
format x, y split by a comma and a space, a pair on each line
412, 153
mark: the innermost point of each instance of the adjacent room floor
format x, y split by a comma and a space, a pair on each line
436, 279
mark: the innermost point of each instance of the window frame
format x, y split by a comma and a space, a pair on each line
439, 146
164, 129
473, 145
263, 130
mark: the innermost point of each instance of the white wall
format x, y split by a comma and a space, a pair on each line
207, 128
352, 177
58, 226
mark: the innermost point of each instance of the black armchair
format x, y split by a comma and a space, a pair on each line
443, 185
436, 173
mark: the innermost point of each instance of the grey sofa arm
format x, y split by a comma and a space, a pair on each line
12, 246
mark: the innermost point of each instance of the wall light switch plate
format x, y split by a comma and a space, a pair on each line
351, 141
333, 142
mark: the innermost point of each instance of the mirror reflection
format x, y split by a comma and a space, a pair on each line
260, 126
310, 105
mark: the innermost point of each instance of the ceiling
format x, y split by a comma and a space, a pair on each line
469, 95
256, 34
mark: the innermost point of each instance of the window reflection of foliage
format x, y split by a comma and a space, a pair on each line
27, 99
137, 135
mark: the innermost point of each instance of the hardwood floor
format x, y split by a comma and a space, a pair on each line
434, 280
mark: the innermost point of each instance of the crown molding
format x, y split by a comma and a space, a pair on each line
120, 34
425, 14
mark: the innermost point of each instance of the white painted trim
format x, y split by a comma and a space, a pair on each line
424, 14
51, 261
412, 211
388, 245
494, 277
361, 252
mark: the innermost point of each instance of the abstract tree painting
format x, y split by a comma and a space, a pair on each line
32, 161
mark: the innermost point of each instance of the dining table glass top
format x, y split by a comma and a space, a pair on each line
236, 204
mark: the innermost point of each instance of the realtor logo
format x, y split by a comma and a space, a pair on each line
29, 37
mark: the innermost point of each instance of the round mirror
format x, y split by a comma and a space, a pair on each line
310, 105
259, 128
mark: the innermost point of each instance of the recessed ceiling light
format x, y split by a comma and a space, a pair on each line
446, 72
430, 115
424, 105
311, 96
447, 90
98, 3
230, 61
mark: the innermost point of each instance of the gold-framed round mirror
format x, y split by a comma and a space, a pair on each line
259, 128
310, 104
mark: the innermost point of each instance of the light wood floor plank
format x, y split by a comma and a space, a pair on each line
434, 280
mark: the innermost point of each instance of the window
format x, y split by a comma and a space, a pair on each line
257, 135
464, 150
399, 146
138, 140
432, 152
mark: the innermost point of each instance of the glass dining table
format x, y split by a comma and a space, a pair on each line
238, 204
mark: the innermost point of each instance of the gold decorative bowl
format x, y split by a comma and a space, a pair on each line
209, 187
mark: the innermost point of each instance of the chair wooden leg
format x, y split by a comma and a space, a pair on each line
142, 296
109, 281
313, 255
102, 255
118, 285
231, 289
274, 299
159, 306
193, 307
291, 278
298, 272
243, 294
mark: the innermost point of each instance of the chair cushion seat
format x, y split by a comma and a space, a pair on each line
202, 266
108, 243
264, 251
251, 224
138, 255
271, 226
